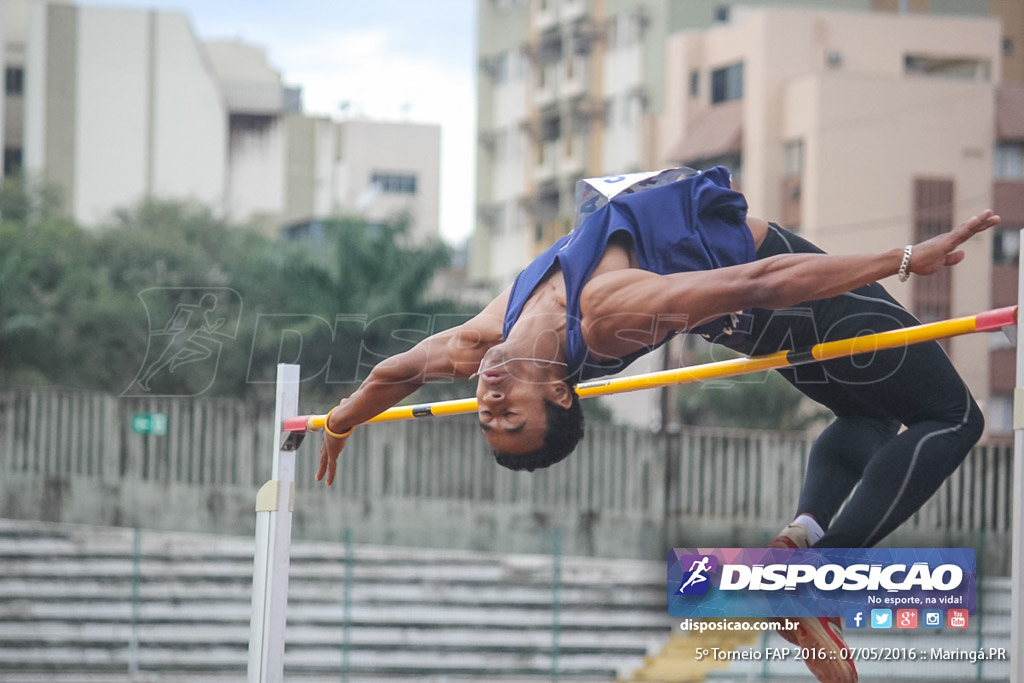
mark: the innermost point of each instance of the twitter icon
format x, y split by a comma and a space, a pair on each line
881, 618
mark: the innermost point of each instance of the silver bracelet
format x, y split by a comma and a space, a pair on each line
904, 273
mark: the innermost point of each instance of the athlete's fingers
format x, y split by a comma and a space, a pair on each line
332, 469
322, 470
954, 258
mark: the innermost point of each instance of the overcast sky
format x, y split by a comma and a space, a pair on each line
389, 59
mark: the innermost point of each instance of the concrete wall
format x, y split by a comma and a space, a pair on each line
75, 457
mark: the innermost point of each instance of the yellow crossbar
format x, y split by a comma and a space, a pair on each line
987, 321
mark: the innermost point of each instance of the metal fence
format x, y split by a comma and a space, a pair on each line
700, 474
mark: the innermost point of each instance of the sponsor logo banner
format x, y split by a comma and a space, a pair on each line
820, 582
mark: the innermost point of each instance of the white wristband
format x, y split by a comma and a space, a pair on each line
904, 274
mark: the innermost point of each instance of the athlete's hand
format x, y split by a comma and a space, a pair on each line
330, 449
943, 250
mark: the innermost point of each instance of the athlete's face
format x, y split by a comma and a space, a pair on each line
511, 396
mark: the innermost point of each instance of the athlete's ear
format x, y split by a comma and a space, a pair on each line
560, 393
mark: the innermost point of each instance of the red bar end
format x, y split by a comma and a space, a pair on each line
295, 424
996, 319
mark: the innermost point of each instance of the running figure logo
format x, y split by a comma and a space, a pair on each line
188, 327
697, 579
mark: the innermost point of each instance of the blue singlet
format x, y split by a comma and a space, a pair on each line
697, 223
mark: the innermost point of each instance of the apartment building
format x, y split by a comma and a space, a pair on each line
568, 89
861, 125
115, 105
860, 130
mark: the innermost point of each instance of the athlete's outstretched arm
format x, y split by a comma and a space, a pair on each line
451, 354
624, 310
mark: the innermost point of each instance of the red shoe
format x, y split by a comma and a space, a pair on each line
789, 635
793, 536
823, 636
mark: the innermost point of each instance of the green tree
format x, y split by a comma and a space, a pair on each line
38, 267
79, 307
379, 275
762, 400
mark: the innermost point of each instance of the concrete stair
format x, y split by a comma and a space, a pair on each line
104, 604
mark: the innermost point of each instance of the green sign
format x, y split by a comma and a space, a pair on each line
154, 424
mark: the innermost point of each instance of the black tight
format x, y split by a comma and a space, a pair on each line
897, 473
891, 473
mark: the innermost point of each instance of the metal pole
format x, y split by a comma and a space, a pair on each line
979, 621
274, 504
1017, 533
556, 602
346, 626
133, 642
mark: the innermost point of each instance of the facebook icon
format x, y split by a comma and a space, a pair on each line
855, 618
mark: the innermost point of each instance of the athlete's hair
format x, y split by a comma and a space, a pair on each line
564, 431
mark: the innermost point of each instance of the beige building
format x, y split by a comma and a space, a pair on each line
376, 169
862, 131
115, 105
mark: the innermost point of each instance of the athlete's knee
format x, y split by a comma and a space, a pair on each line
964, 420
965, 435
974, 424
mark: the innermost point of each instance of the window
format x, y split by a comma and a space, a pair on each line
394, 183
497, 66
551, 47
500, 65
580, 124
625, 29
694, 83
1006, 247
722, 14
12, 160
793, 157
963, 68
550, 126
999, 411
611, 33
494, 216
521, 66
14, 80
1008, 161
547, 205
727, 83
633, 108
933, 215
